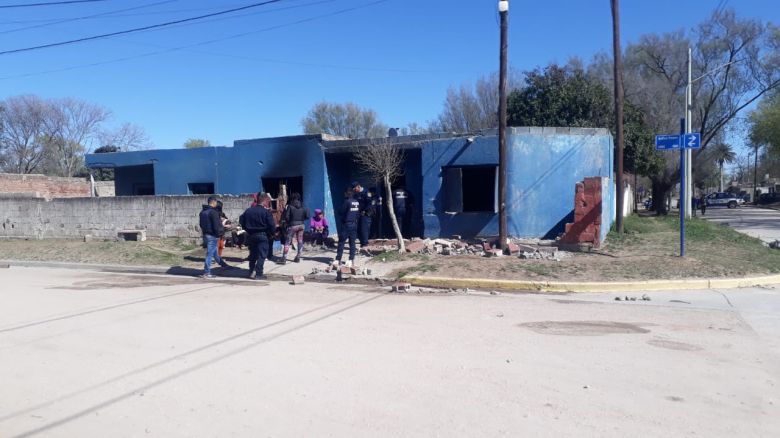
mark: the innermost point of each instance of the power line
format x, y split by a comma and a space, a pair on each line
137, 29
32, 5
86, 17
229, 37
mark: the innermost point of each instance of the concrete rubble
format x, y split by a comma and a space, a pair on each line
530, 249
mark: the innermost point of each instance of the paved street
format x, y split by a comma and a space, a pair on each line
89, 354
757, 222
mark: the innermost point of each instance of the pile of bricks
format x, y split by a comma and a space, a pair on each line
523, 248
587, 214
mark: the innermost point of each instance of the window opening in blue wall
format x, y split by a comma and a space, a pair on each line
200, 188
469, 189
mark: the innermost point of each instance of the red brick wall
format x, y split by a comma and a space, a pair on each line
48, 187
587, 213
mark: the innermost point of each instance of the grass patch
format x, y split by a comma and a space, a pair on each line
711, 249
422, 268
395, 256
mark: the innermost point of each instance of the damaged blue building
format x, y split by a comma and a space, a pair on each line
451, 179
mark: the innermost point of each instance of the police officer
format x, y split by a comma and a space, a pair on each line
349, 214
400, 203
367, 210
259, 225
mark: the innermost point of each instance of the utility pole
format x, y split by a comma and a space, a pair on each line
503, 9
618, 73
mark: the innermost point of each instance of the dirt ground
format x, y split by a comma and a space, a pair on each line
648, 250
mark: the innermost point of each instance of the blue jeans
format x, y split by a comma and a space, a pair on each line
211, 252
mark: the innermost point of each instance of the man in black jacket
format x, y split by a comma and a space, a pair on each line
211, 227
259, 225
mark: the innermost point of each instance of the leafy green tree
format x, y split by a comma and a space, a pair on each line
194, 143
560, 96
765, 123
722, 153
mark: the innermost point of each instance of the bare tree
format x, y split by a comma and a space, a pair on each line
22, 125
128, 137
736, 61
470, 108
70, 130
384, 160
345, 120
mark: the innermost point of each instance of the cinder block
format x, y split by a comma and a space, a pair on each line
298, 279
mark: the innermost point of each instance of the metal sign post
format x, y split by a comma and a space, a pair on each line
683, 142
683, 197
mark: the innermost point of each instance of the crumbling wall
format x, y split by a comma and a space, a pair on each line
160, 216
42, 186
588, 204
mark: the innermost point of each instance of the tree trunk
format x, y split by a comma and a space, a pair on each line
660, 190
721, 176
391, 212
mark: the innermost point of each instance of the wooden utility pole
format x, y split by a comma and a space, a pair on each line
618, 73
503, 9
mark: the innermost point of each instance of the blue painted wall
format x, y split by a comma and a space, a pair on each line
544, 166
234, 170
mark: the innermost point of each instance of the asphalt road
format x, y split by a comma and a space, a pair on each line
87, 354
757, 222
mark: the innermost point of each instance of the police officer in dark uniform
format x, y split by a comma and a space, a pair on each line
367, 211
259, 225
400, 204
349, 214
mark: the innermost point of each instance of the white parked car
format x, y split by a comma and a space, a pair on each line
724, 200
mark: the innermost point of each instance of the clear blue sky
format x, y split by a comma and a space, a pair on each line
397, 56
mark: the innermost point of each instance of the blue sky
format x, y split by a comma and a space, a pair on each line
395, 56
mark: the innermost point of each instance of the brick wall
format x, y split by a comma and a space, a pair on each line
160, 216
587, 214
42, 186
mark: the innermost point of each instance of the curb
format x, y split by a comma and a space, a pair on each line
617, 286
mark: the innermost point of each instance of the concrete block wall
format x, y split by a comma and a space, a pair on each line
42, 186
160, 216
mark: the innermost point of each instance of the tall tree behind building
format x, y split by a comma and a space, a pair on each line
344, 120
194, 143
470, 108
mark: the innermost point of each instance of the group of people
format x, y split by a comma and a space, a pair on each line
257, 228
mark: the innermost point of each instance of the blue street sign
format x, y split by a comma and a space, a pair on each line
692, 140
666, 142
683, 141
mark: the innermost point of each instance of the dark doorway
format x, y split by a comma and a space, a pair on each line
134, 180
294, 185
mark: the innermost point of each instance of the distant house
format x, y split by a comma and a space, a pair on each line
452, 179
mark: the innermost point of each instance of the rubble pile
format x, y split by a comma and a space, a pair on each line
530, 249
